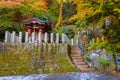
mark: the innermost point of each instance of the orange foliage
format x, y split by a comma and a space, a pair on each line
41, 3
11, 3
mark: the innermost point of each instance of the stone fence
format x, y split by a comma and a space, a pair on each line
15, 38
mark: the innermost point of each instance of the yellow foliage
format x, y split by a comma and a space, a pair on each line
97, 11
82, 12
118, 10
103, 38
60, 0
84, 8
97, 39
111, 30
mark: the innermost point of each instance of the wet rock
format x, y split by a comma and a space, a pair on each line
96, 63
94, 55
104, 55
109, 57
98, 51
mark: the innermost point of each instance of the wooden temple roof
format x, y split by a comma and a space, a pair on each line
35, 20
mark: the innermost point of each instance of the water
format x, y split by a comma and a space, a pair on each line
66, 76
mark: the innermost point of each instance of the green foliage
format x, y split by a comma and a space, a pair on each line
68, 30
81, 24
112, 35
87, 57
93, 46
105, 65
59, 30
109, 48
103, 62
53, 9
103, 44
68, 11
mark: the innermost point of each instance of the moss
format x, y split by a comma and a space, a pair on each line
18, 61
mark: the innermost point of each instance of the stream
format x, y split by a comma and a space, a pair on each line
65, 76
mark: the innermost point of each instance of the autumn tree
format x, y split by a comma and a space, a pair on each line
59, 22
96, 10
13, 12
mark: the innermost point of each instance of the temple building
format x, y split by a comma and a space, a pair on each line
37, 25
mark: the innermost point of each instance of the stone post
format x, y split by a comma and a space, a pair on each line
77, 41
63, 38
6, 36
39, 37
51, 37
13, 37
33, 37
45, 37
72, 41
20, 37
26, 37
57, 37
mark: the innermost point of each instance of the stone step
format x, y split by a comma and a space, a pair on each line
78, 52
74, 46
86, 69
78, 60
83, 66
80, 63
74, 52
77, 57
75, 49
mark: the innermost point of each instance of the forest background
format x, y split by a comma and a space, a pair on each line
83, 14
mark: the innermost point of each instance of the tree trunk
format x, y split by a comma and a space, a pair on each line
60, 15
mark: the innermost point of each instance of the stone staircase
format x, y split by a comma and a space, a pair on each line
78, 60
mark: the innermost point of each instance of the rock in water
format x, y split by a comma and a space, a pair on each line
94, 55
